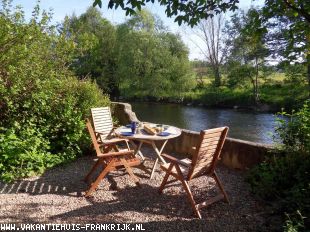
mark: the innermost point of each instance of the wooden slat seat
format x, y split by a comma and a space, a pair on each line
114, 140
203, 162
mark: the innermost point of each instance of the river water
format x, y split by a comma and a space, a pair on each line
246, 125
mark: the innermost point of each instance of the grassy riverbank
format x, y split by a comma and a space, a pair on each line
272, 97
275, 93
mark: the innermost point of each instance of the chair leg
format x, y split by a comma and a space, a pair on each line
95, 166
188, 191
191, 198
218, 182
129, 170
164, 182
94, 185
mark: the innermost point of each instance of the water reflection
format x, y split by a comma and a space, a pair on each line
256, 127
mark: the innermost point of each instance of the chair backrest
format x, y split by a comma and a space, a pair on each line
207, 151
102, 121
93, 137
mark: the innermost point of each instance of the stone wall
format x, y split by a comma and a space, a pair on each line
236, 153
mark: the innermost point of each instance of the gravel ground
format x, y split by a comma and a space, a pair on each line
57, 197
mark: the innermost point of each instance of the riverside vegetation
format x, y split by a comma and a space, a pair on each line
50, 76
142, 55
42, 104
283, 178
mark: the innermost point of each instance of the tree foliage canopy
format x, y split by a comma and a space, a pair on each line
129, 59
247, 49
186, 11
149, 57
94, 37
191, 12
289, 26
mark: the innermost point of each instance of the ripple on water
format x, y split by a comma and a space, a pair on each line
246, 125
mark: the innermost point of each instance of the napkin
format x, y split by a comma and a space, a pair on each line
126, 130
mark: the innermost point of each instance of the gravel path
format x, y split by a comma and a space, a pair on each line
56, 197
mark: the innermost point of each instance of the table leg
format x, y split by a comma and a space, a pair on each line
153, 169
159, 157
137, 149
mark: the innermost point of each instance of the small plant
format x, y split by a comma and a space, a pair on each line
294, 224
284, 176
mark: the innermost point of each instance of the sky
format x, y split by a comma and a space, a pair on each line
61, 8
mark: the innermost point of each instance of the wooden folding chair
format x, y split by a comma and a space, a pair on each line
109, 161
104, 130
204, 159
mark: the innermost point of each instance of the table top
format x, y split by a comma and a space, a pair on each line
169, 133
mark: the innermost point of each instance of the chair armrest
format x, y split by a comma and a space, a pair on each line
115, 140
174, 160
120, 139
118, 153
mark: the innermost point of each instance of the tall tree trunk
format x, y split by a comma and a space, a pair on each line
254, 88
217, 76
256, 96
213, 47
308, 73
256, 82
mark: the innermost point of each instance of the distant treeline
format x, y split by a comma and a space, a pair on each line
135, 59
141, 60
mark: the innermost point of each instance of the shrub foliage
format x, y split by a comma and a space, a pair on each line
42, 105
284, 176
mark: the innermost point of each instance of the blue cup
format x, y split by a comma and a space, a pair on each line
133, 127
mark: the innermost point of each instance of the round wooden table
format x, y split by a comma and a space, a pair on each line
142, 136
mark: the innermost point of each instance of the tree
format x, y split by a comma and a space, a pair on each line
95, 39
254, 33
289, 37
215, 49
295, 8
248, 50
186, 11
149, 58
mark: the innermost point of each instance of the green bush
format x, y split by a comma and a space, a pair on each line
284, 176
224, 96
295, 132
42, 105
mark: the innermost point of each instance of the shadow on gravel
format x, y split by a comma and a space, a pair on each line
67, 180
36, 187
144, 199
56, 197
61, 180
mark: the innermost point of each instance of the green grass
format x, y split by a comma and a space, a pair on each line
274, 90
275, 78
